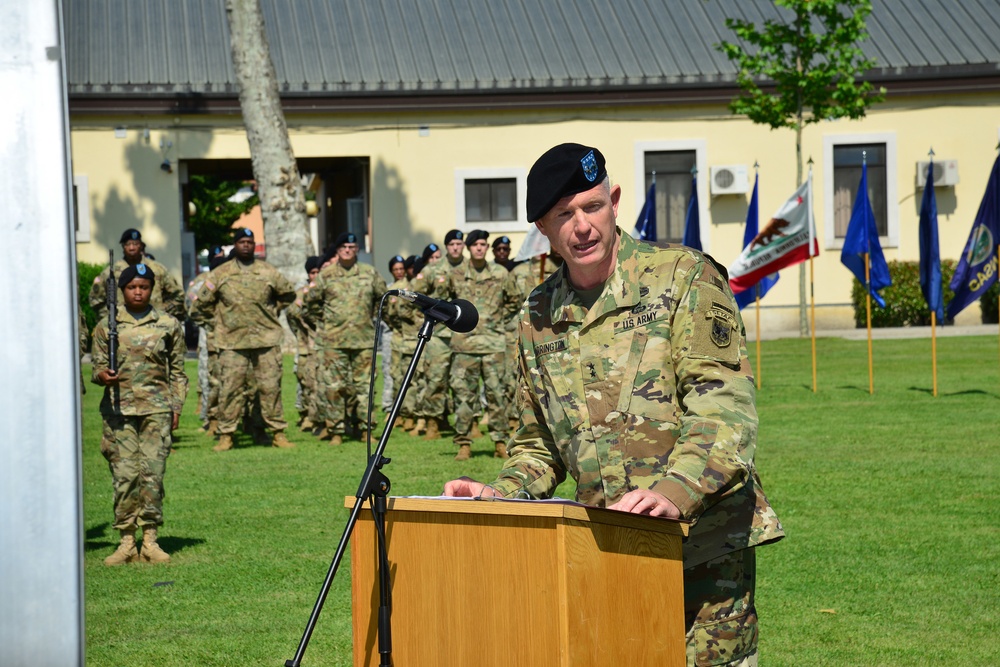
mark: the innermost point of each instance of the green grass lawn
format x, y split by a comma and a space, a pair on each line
890, 503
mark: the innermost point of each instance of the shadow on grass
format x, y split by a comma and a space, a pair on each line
93, 537
175, 544
964, 392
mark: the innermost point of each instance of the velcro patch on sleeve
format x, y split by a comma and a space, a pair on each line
716, 332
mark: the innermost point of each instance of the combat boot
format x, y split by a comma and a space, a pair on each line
419, 427
213, 426
408, 424
125, 553
151, 551
307, 424
336, 439
225, 443
280, 440
398, 423
464, 453
474, 432
433, 430
501, 451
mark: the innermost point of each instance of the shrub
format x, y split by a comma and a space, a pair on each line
85, 274
988, 303
904, 301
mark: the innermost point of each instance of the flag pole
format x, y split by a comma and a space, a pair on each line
812, 289
868, 306
934, 349
756, 289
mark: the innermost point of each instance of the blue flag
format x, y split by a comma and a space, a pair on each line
977, 269
861, 238
645, 225
930, 255
748, 296
692, 225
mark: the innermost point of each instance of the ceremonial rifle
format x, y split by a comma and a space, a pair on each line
111, 290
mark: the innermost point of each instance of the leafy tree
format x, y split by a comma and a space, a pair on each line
801, 70
214, 214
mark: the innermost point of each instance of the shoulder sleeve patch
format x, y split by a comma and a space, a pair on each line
716, 331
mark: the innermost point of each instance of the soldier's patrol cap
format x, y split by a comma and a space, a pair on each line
344, 238
566, 169
476, 235
244, 233
453, 235
130, 235
312, 262
397, 259
134, 271
501, 240
430, 250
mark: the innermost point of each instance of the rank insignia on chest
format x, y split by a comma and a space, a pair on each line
723, 324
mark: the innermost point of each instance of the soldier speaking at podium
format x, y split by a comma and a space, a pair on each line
635, 381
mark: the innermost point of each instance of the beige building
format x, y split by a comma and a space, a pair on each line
407, 143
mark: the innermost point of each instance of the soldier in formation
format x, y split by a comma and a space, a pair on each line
141, 406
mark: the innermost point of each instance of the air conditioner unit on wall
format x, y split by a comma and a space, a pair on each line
945, 173
729, 180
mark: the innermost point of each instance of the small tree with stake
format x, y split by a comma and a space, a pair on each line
791, 74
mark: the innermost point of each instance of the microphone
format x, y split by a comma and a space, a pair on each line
459, 315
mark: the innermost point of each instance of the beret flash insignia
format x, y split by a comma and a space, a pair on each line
590, 168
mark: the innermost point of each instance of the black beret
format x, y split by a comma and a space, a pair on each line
397, 259
430, 250
134, 271
244, 233
130, 235
566, 169
500, 240
344, 238
215, 251
312, 262
408, 262
453, 235
476, 235
418, 264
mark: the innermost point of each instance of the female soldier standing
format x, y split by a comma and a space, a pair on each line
141, 406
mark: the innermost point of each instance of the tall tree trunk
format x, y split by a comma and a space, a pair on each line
279, 185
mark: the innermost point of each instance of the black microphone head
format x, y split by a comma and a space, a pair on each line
467, 318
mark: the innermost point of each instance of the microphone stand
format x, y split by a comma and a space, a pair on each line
374, 487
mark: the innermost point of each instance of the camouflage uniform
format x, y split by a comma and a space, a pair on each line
241, 302
304, 329
167, 296
524, 281
343, 303
479, 353
405, 320
137, 411
651, 389
204, 386
435, 362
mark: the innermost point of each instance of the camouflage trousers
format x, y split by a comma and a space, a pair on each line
343, 385
236, 368
389, 381
305, 371
466, 371
212, 409
719, 611
400, 363
432, 374
136, 448
203, 389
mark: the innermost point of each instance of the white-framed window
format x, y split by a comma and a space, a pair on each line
672, 161
842, 158
491, 199
81, 208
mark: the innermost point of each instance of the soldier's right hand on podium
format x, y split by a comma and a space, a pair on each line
466, 487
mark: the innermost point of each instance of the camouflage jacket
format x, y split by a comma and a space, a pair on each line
435, 281
524, 282
493, 291
650, 389
150, 364
404, 318
167, 294
300, 323
241, 302
343, 304
190, 296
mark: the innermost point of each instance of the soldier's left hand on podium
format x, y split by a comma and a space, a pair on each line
466, 487
643, 501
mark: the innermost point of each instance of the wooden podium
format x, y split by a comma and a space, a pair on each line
502, 583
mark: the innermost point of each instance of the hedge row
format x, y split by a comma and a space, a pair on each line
85, 274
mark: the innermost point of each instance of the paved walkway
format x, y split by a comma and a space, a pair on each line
893, 332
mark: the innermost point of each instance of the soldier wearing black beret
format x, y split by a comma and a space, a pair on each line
167, 294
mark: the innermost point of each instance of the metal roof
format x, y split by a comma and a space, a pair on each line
439, 47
